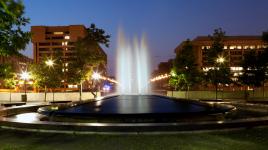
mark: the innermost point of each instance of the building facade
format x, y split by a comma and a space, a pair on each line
48, 40
19, 63
234, 49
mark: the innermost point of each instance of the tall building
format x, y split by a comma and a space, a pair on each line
234, 49
48, 40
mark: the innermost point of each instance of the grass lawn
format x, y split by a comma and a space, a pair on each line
244, 139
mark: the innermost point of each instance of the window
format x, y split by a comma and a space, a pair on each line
246, 47
252, 47
239, 47
57, 37
232, 47
64, 43
67, 37
44, 44
56, 44
225, 47
57, 33
43, 49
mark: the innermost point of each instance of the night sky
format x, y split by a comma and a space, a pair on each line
166, 23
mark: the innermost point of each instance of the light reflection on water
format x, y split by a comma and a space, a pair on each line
27, 117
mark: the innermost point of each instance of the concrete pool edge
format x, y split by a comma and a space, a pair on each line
60, 127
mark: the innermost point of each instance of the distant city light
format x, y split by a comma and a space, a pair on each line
106, 88
160, 77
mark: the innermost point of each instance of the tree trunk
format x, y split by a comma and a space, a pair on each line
188, 87
263, 89
80, 91
9, 95
53, 94
45, 93
216, 90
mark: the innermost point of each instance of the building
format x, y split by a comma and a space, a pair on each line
18, 62
234, 49
48, 40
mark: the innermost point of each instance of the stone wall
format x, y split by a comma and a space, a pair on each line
40, 97
221, 94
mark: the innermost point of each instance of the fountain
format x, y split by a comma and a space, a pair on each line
132, 66
133, 99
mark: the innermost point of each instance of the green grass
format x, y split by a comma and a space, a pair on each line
244, 139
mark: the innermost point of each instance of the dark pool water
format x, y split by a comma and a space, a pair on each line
135, 104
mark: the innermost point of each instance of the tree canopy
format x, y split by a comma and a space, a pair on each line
185, 72
12, 37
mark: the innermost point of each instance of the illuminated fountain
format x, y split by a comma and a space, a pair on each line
132, 66
133, 102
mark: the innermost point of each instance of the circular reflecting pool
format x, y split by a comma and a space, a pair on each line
135, 106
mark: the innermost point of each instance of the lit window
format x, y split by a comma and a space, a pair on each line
64, 43
239, 47
225, 47
67, 37
246, 47
203, 47
232, 47
252, 47
57, 33
259, 46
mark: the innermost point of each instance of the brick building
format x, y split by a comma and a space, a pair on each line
234, 49
48, 40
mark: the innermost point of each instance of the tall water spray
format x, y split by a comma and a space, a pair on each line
132, 66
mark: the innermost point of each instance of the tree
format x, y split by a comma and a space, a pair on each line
89, 55
7, 75
48, 76
12, 38
185, 73
10, 83
253, 73
216, 59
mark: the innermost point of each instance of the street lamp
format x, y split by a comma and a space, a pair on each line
95, 76
24, 76
220, 60
49, 62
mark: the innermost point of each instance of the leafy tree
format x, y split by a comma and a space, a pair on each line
48, 76
10, 83
253, 73
216, 59
89, 55
12, 38
185, 73
7, 75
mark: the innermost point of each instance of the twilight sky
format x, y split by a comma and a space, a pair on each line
166, 23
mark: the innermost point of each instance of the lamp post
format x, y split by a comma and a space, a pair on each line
24, 76
49, 63
95, 76
219, 60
